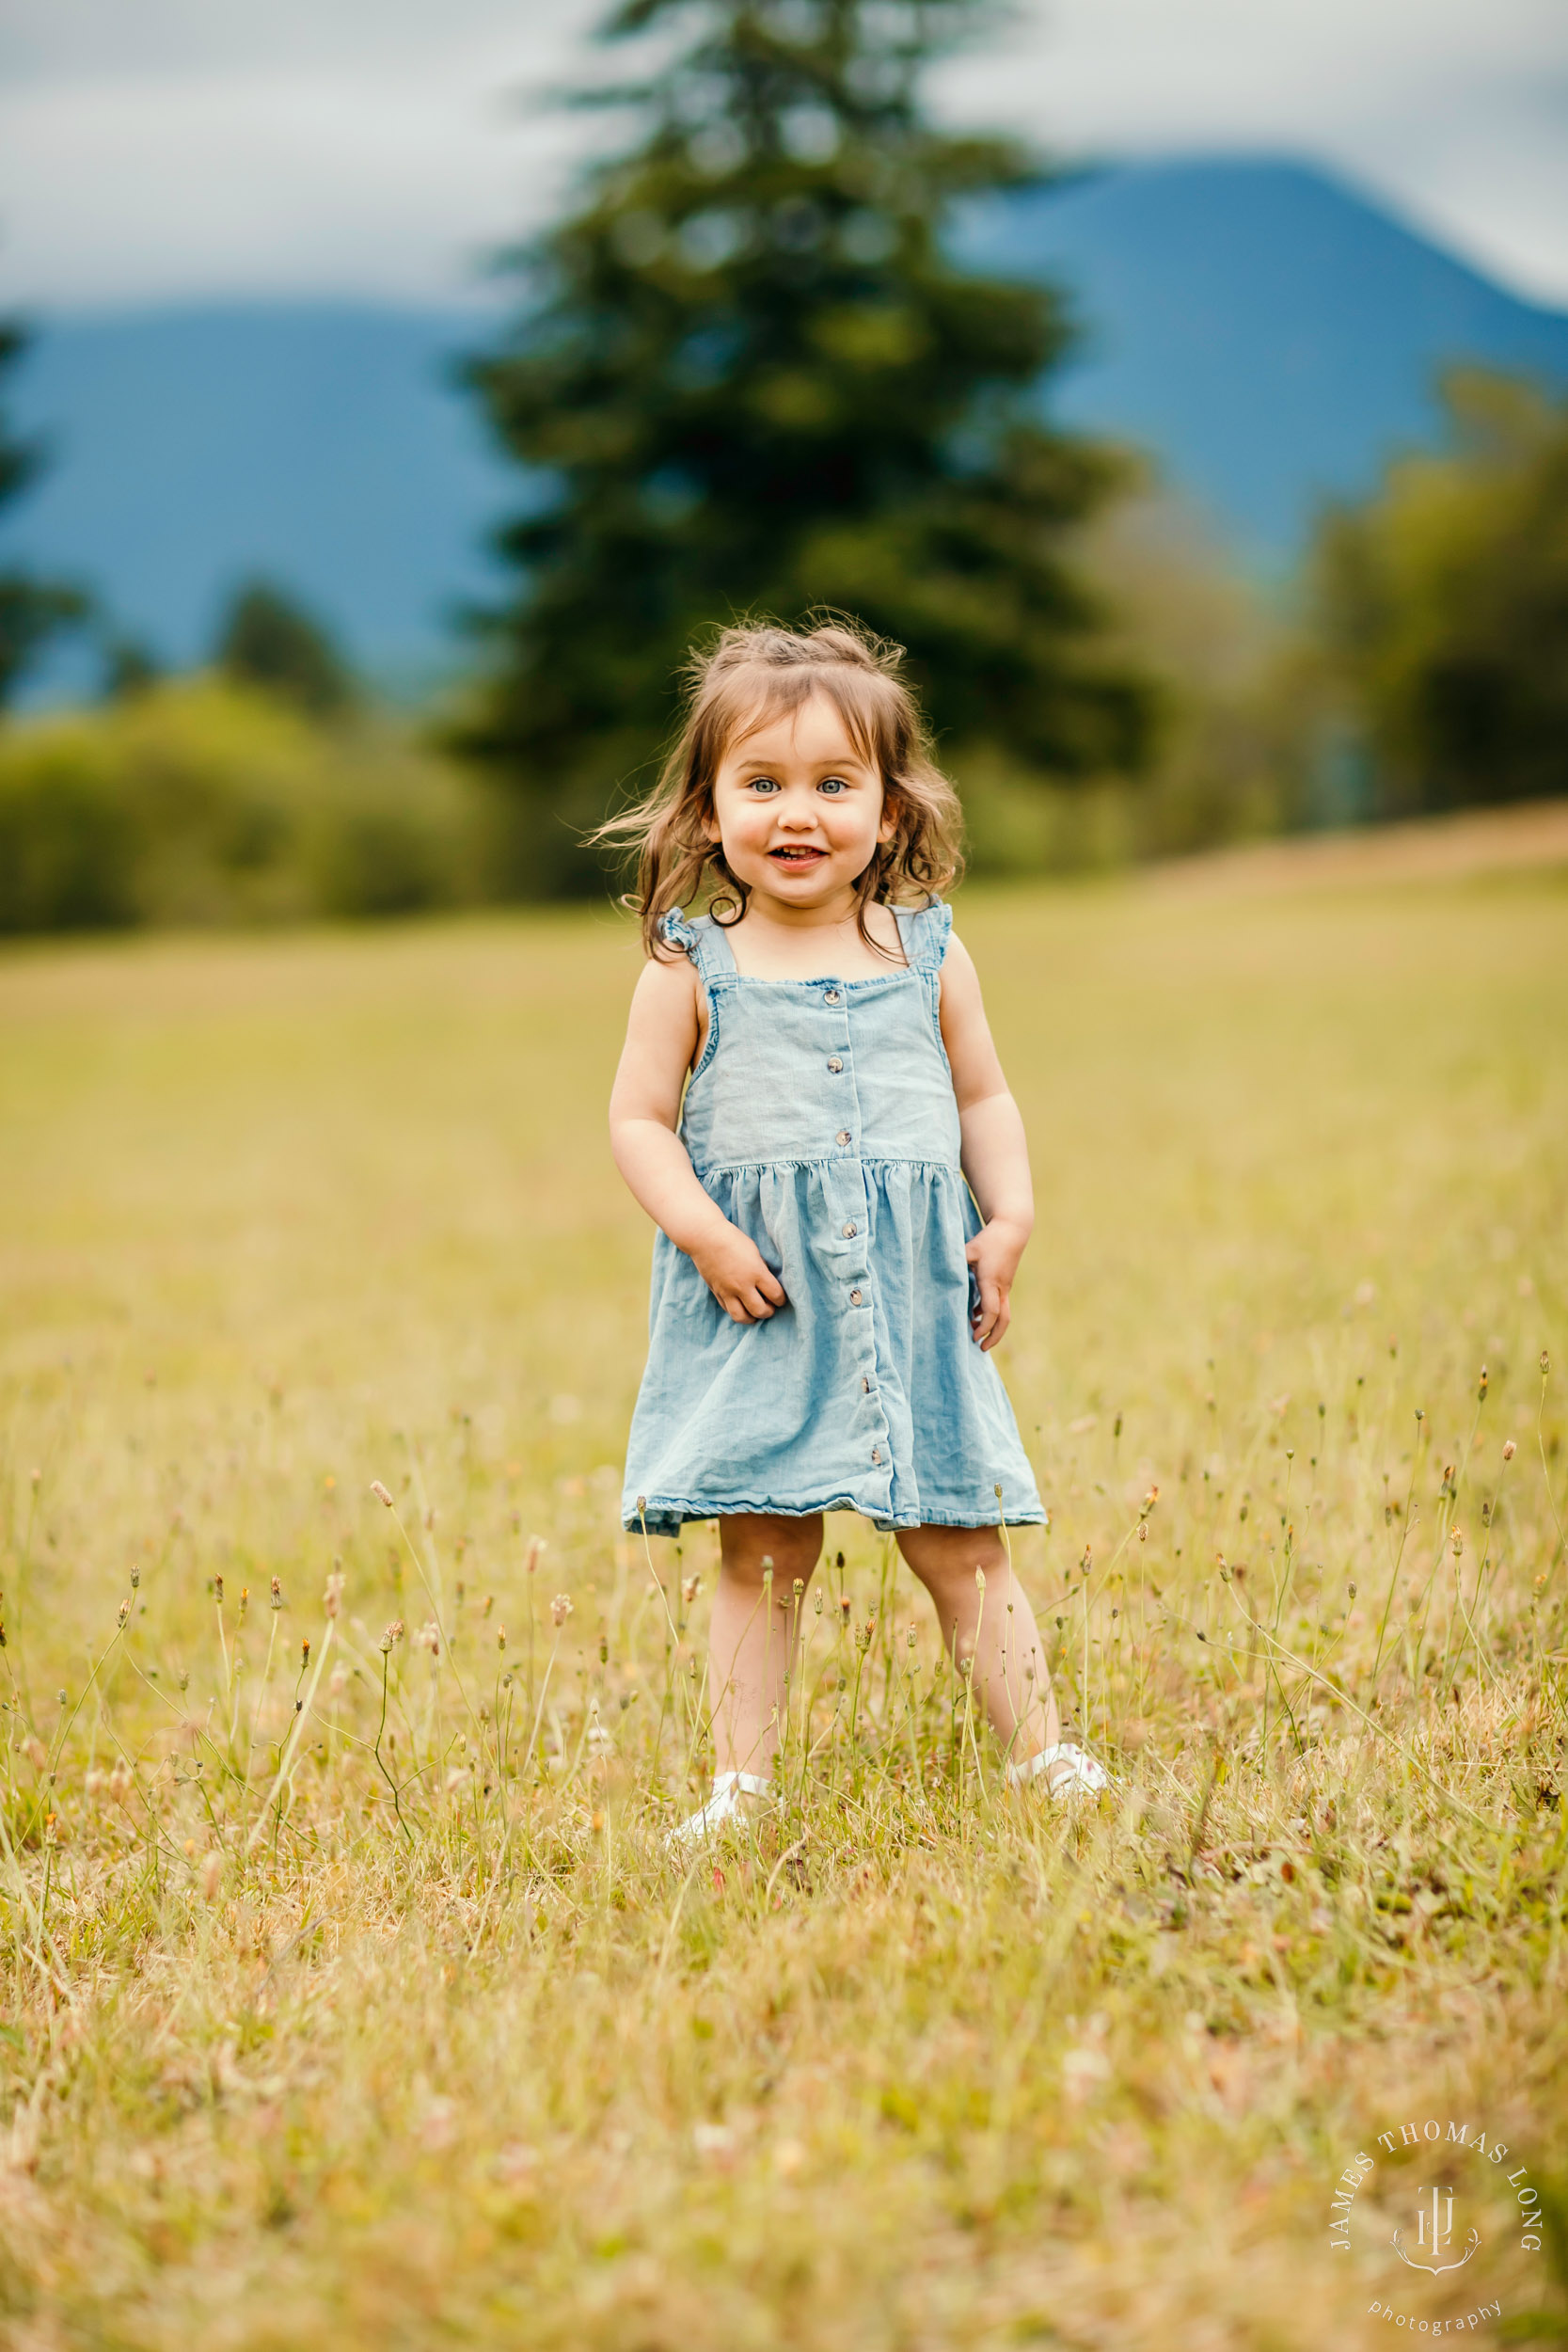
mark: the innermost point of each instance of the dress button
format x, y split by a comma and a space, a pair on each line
849, 1231
831, 996
865, 1385
875, 1454
835, 1064
855, 1298
844, 1136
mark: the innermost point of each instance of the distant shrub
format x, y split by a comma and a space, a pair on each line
200, 802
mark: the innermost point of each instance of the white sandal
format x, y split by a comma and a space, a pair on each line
722, 1806
1076, 1774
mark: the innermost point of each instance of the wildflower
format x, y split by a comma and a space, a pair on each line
536, 1546
93, 1783
980, 1579
121, 1782
124, 1613
500, 1637
217, 1590
1545, 1365
560, 1609
691, 1585
429, 1637
1458, 1541
843, 1608
380, 1493
332, 1599
305, 1653
277, 1596
866, 1635
135, 1577
391, 1637
1510, 1449
1143, 1532
1480, 1391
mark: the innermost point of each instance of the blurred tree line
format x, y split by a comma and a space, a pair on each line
745, 376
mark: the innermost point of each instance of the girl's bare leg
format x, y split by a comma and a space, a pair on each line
753, 1632
994, 1631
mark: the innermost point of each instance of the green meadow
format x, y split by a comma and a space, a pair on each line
349, 1994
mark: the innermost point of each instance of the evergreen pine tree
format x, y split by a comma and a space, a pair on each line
267, 640
31, 609
749, 378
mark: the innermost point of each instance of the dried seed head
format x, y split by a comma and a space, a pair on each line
1458, 1541
980, 1579
217, 1590
500, 1637
332, 1599
866, 1635
135, 1579
380, 1493
94, 1781
305, 1651
691, 1585
1545, 1365
121, 1782
1481, 1390
277, 1596
1143, 1532
1510, 1449
560, 1608
844, 1605
429, 1637
536, 1546
124, 1610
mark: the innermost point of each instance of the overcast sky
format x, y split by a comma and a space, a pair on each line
158, 148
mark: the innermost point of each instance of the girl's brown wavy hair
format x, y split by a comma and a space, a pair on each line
753, 673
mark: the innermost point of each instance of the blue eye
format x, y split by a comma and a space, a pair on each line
761, 784
832, 784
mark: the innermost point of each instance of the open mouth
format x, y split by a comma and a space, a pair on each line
797, 855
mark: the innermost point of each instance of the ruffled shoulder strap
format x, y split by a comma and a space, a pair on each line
926, 930
702, 939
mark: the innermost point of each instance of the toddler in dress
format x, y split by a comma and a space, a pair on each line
809, 1108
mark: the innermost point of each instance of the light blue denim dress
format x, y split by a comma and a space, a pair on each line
821, 1119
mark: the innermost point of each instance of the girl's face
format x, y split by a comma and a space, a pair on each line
797, 809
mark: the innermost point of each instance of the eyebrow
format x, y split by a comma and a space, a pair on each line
823, 767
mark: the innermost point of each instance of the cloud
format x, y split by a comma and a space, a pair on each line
383, 147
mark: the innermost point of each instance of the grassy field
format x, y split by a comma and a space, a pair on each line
350, 1997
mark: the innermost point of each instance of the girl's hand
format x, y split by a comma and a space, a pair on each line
995, 1254
738, 1275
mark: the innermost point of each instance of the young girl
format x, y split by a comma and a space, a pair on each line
842, 1194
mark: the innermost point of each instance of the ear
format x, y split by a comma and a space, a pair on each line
887, 825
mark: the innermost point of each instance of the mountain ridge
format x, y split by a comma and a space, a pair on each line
1266, 333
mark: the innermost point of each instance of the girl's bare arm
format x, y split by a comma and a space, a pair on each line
644, 1114
995, 1152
